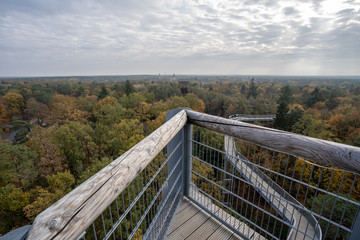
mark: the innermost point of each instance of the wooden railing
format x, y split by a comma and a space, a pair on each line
71, 215
324, 152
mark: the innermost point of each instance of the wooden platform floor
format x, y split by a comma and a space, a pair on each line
191, 222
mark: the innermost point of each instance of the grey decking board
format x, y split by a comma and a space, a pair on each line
188, 227
247, 231
192, 221
184, 204
205, 230
182, 217
221, 233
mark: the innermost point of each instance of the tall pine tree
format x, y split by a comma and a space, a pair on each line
253, 89
282, 118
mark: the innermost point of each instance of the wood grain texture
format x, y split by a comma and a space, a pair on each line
72, 214
325, 152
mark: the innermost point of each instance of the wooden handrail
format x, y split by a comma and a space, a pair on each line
72, 214
325, 152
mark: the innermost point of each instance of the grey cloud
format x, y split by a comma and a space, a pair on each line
112, 36
288, 11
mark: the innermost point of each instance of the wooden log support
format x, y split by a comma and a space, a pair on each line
68, 217
321, 151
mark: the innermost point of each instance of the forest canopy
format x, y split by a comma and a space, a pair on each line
56, 133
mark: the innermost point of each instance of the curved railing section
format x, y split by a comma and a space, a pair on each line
302, 223
274, 194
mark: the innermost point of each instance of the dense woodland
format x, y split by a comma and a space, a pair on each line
64, 130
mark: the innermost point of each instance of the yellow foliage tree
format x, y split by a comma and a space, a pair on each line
14, 103
59, 185
4, 117
64, 109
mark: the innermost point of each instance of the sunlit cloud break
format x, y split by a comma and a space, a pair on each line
88, 37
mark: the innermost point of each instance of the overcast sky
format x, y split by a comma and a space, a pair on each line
115, 37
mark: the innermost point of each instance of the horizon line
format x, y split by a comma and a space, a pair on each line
183, 74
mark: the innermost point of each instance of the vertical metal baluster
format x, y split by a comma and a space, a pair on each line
146, 196
283, 196
313, 201
111, 221
206, 160
102, 218
343, 214
139, 202
283, 183
153, 192
118, 216
298, 190
134, 207
251, 176
93, 226
256, 181
332, 211
129, 201
271, 207
259, 196
125, 216
327, 190
306, 194
263, 212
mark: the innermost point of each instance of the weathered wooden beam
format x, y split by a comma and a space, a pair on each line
325, 152
72, 214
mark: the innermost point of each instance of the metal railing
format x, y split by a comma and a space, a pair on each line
260, 189
278, 194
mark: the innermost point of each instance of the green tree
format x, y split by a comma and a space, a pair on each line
282, 112
128, 87
252, 90
315, 97
58, 185
108, 111
37, 109
103, 93
281, 119
14, 103
51, 159
12, 201
76, 143
17, 165
63, 89
309, 126
332, 102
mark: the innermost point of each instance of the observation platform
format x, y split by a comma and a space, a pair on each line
204, 177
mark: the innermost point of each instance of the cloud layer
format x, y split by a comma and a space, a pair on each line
85, 37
